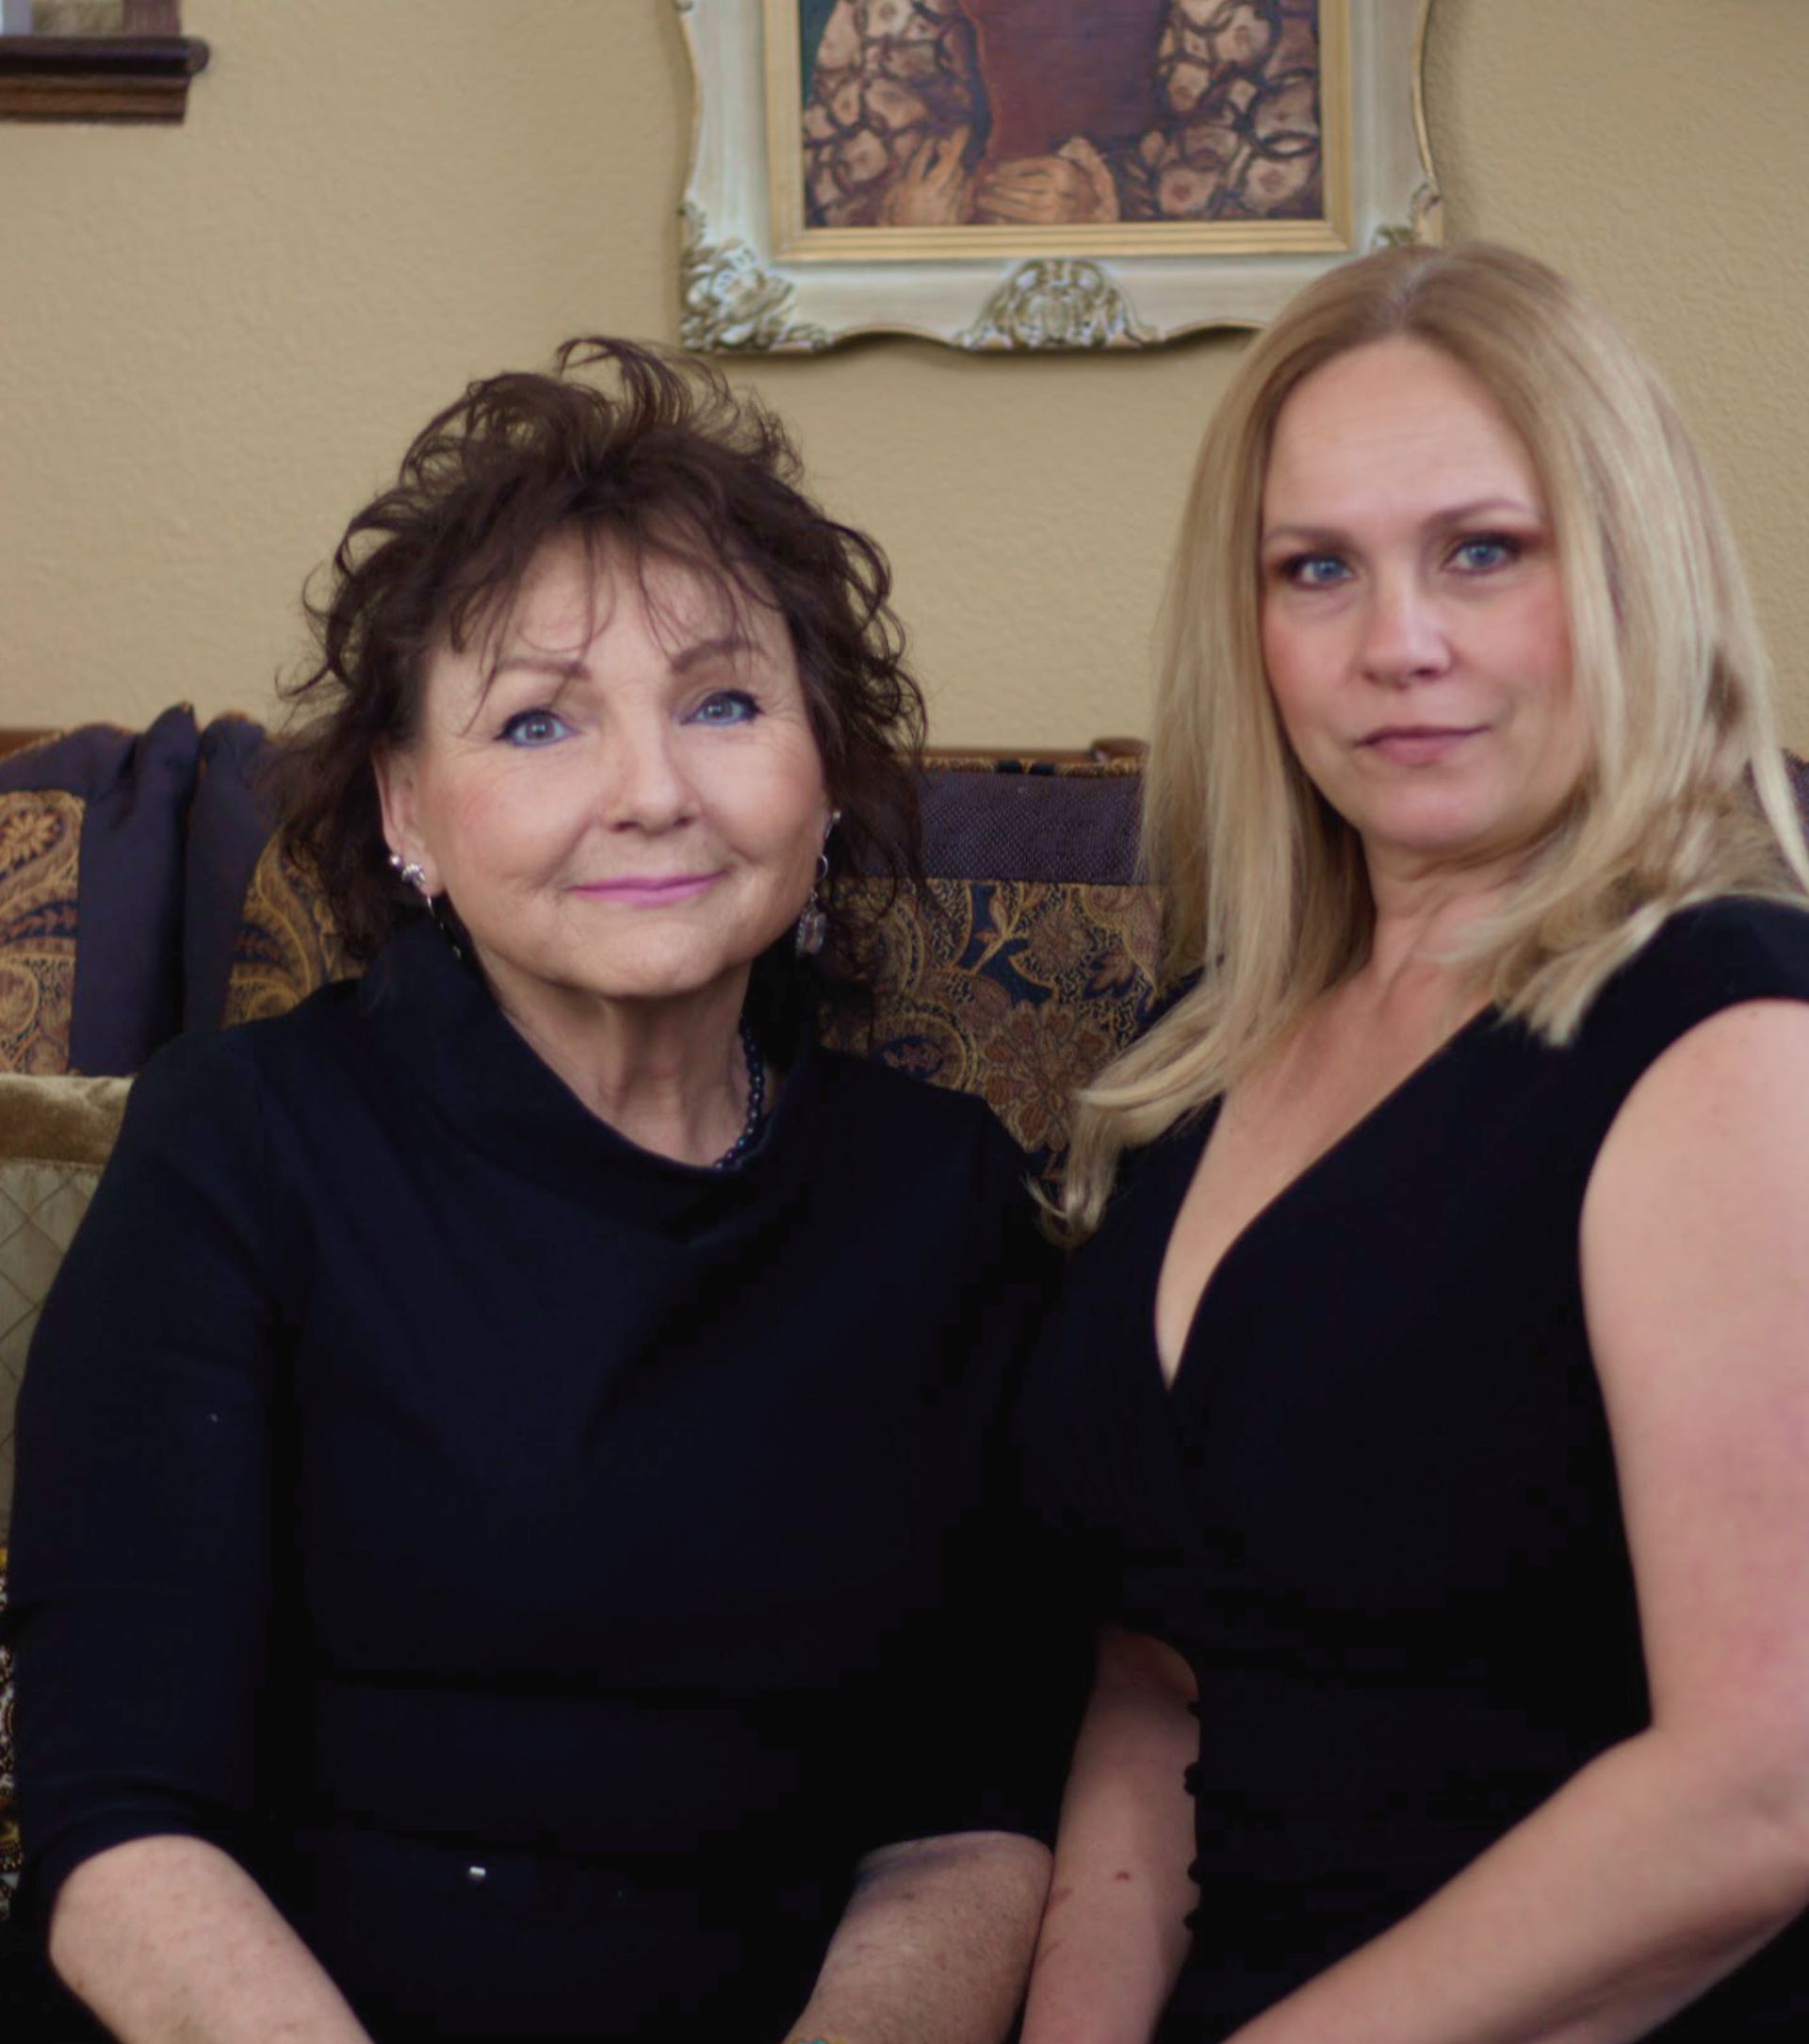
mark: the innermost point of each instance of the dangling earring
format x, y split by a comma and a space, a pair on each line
813, 925
413, 875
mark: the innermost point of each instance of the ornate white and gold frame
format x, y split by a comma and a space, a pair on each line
756, 279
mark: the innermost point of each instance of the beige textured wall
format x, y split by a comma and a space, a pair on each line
214, 339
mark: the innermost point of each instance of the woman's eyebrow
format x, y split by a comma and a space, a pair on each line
1479, 507
724, 644
1488, 507
1297, 534
569, 667
564, 667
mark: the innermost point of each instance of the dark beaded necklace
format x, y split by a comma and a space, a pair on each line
755, 1102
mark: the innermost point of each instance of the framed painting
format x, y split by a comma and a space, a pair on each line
1039, 173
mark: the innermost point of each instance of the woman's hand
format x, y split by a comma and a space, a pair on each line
1673, 1857
934, 1943
168, 1942
1114, 1935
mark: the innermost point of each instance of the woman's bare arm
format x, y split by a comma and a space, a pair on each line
170, 1941
934, 1944
1114, 1937
1675, 1855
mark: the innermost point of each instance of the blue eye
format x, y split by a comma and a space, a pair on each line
1484, 550
535, 727
1314, 570
726, 706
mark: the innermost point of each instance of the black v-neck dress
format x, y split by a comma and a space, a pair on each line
1377, 1511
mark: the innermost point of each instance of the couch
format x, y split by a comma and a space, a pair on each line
142, 893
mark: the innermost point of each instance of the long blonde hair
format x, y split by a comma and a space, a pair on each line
1684, 795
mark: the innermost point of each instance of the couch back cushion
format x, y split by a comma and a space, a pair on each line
1032, 961
227, 837
257, 937
92, 855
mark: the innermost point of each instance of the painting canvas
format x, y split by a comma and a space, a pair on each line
1015, 114
1039, 173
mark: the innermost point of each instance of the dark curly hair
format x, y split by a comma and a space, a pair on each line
665, 463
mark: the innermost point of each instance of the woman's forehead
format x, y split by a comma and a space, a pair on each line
1393, 414
578, 585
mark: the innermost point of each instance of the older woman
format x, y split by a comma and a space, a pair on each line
506, 1539
1433, 1398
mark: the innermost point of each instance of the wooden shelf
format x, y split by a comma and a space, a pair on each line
98, 77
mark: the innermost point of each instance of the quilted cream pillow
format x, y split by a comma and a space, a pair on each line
55, 1136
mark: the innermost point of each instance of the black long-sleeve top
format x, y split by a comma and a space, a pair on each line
548, 1567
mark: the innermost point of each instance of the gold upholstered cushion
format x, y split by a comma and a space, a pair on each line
286, 944
1016, 990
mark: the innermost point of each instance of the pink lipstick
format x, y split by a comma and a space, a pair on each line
630, 893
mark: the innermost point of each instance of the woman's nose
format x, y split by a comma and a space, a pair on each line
645, 784
1404, 636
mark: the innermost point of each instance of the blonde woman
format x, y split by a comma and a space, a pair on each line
1433, 1396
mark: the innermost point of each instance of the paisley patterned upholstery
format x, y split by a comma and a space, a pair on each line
41, 834
1035, 959
286, 945
1018, 990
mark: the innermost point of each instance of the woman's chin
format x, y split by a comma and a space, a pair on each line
1433, 835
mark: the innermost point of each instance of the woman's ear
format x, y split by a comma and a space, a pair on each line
398, 798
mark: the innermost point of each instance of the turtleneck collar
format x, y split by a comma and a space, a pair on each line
443, 1032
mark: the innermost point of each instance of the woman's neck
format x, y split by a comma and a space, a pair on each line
1416, 983
671, 1075
1425, 913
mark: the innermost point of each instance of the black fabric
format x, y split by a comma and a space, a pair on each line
1377, 1511
415, 1477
